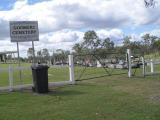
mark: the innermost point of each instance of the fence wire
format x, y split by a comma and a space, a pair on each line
88, 66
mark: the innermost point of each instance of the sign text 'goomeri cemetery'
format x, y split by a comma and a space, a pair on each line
23, 31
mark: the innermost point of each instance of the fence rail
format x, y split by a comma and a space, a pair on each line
150, 63
10, 71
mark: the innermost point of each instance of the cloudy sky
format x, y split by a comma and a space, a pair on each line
63, 23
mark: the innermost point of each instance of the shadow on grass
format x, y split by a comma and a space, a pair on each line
64, 93
51, 92
141, 77
138, 76
89, 78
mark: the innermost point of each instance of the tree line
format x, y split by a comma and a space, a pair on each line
93, 44
46, 56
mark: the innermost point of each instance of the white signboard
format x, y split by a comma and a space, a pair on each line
23, 31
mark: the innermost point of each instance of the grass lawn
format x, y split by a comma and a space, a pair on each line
54, 74
113, 97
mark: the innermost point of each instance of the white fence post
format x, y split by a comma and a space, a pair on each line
152, 66
129, 63
144, 70
98, 64
10, 70
71, 69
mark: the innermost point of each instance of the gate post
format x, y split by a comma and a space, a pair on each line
152, 66
71, 69
144, 70
10, 70
129, 63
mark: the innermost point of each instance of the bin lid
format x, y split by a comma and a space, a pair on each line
35, 67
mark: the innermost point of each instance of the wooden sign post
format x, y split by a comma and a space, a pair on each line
24, 31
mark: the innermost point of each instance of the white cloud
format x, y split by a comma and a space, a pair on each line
79, 14
155, 32
116, 35
65, 36
20, 4
61, 22
138, 37
135, 37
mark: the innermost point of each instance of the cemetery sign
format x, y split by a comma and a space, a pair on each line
23, 31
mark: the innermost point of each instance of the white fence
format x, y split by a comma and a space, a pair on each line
10, 70
151, 64
147, 65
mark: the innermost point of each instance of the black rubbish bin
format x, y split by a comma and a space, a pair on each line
40, 78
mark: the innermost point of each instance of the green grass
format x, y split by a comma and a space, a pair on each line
115, 97
155, 55
54, 75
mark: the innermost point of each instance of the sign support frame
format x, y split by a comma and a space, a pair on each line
24, 31
33, 53
19, 65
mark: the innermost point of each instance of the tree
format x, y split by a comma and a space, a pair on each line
127, 42
93, 44
91, 40
30, 54
61, 56
39, 53
156, 45
148, 41
137, 47
149, 3
45, 54
39, 56
107, 44
78, 48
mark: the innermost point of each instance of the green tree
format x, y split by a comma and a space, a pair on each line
30, 54
91, 40
107, 44
137, 47
127, 42
39, 53
39, 56
78, 48
148, 41
45, 54
156, 45
93, 44
61, 55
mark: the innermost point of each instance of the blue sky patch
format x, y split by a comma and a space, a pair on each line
6, 4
